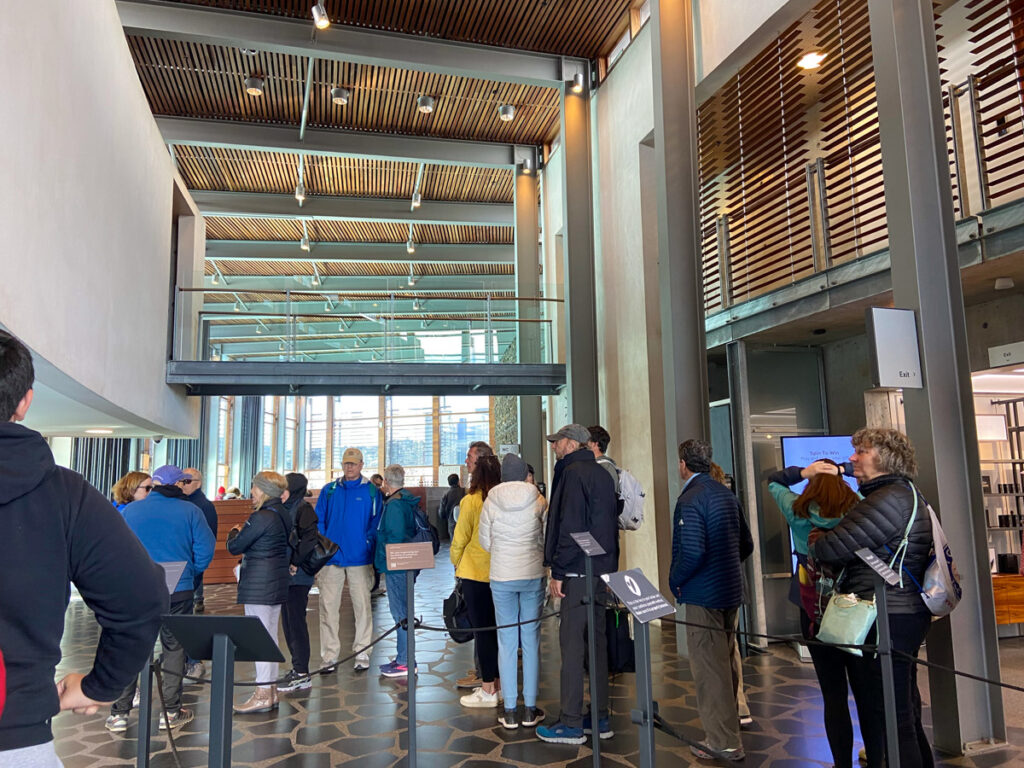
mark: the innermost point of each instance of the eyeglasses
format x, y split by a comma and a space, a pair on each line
146, 488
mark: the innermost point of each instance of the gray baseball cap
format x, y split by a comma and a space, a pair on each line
576, 432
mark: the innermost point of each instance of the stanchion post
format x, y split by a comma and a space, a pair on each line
410, 635
595, 711
888, 679
222, 680
145, 715
643, 716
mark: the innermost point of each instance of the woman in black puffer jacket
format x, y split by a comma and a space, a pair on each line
884, 465
264, 578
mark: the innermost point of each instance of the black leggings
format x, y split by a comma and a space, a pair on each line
480, 605
296, 633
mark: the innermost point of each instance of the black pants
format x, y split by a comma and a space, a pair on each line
908, 631
838, 672
572, 639
296, 632
480, 605
172, 664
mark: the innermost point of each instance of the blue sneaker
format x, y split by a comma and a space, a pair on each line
603, 724
560, 733
394, 669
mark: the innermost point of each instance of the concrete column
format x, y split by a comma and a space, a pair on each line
527, 233
940, 417
578, 250
684, 358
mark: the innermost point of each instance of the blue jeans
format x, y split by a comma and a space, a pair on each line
516, 601
397, 596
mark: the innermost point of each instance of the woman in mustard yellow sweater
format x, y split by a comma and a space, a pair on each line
473, 566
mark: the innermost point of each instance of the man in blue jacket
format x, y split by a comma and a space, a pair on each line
709, 543
348, 511
172, 530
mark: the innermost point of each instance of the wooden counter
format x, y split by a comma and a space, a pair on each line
229, 514
1008, 590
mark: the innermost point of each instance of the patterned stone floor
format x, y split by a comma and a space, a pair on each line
358, 719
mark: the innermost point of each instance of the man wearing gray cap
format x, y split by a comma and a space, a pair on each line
582, 499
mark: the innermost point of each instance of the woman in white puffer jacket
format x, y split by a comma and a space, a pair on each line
512, 530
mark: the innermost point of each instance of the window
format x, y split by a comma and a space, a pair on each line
269, 432
357, 425
410, 437
290, 429
463, 420
223, 440
620, 46
316, 441
645, 12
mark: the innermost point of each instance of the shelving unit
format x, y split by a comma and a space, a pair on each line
1002, 472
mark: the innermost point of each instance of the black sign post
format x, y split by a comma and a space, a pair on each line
645, 603
144, 743
592, 548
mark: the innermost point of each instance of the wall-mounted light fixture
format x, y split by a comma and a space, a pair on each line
320, 17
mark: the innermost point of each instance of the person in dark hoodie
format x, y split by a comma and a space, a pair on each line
194, 493
58, 530
172, 530
296, 632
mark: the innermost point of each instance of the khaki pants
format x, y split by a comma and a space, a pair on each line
331, 582
711, 662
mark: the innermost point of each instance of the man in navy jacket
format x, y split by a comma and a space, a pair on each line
709, 542
57, 529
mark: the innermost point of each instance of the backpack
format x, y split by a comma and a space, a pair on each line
631, 501
425, 531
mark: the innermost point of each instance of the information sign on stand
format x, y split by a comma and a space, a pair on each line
412, 556
640, 597
586, 541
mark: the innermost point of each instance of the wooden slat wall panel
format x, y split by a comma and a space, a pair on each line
206, 81
568, 27
226, 228
215, 168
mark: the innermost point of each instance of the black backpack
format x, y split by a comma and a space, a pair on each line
425, 531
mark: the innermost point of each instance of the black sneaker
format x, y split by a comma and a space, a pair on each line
295, 681
532, 716
507, 719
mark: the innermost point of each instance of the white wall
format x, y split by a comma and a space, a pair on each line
722, 26
86, 209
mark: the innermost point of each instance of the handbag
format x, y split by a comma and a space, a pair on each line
456, 615
941, 591
322, 553
621, 650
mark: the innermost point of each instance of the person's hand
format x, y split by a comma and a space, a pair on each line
237, 529
292, 570
819, 468
69, 689
555, 587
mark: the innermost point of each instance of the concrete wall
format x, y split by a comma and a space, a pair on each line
722, 26
86, 209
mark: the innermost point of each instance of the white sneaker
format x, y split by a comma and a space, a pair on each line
480, 699
362, 662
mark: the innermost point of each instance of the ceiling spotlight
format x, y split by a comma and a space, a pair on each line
254, 85
1003, 283
416, 304
340, 95
315, 280
281, 346
320, 18
215, 279
238, 307
811, 60
259, 329
304, 243
249, 51
425, 104
300, 193
327, 306
341, 327
577, 83
410, 246
506, 112
417, 200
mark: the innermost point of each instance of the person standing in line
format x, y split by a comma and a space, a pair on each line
264, 578
598, 445
397, 526
57, 530
582, 499
296, 632
477, 450
451, 499
885, 465
512, 530
194, 492
377, 480
708, 548
822, 505
473, 565
134, 486
172, 530
348, 512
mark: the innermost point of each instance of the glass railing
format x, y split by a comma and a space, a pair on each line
317, 326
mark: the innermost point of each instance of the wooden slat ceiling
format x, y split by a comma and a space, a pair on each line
351, 231
195, 80
357, 268
210, 168
567, 27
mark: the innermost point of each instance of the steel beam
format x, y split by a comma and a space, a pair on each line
293, 37
328, 208
304, 304
332, 284
255, 137
940, 416
276, 250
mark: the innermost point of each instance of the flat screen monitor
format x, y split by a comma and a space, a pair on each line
801, 450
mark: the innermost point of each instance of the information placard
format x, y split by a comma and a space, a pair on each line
640, 597
588, 543
413, 556
172, 574
878, 565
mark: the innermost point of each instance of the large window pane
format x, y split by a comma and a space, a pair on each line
357, 425
410, 433
463, 420
290, 429
316, 434
269, 430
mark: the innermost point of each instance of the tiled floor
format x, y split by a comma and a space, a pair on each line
358, 719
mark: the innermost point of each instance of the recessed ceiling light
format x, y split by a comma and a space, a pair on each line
506, 112
254, 85
425, 104
811, 60
340, 96
320, 17
99, 431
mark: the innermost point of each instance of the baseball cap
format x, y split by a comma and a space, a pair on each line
168, 474
576, 432
353, 455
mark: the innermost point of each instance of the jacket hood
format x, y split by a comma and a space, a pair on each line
25, 460
514, 496
405, 498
